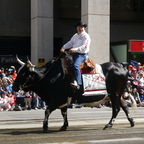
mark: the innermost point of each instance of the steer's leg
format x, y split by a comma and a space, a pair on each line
125, 108
45, 122
64, 114
115, 111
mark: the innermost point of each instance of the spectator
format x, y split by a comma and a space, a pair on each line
20, 98
1, 89
141, 94
134, 80
8, 73
126, 97
135, 94
139, 70
2, 73
143, 68
20, 93
4, 83
4, 102
140, 80
129, 70
128, 87
14, 75
27, 100
134, 72
12, 100
139, 67
37, 100
9, 86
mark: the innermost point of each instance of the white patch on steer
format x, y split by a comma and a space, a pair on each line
99, 69
105, 99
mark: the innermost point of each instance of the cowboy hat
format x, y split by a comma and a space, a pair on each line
81, 24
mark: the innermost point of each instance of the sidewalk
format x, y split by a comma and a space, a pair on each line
82, 116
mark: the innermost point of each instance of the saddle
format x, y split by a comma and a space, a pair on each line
92, 75
86, 67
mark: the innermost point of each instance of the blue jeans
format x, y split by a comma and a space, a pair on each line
77, 60
38, 100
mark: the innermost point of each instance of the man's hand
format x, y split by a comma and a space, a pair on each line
72, 50
62, 49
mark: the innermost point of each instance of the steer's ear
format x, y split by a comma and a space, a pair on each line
30, 65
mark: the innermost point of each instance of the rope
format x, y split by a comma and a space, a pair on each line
44, 74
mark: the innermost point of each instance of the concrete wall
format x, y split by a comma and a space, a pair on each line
41, 30
126, 31
14, 17
96, 13
64, 20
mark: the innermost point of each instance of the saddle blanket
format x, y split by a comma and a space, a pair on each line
94, 84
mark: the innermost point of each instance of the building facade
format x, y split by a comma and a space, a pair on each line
39, 28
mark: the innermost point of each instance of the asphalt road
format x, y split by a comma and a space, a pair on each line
89, 134
85, 126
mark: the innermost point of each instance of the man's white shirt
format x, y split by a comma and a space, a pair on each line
80, 42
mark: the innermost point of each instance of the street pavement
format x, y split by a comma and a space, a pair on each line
77, 116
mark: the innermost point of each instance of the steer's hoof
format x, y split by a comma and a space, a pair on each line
132, 122
63, 128
108, 126
45, 127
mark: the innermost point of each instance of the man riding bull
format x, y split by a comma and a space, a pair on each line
80, 46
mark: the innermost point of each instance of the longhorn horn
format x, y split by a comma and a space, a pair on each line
29, 62
19, 61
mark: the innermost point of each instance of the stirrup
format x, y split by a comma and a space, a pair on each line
75, 85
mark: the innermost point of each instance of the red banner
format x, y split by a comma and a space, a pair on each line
136, 46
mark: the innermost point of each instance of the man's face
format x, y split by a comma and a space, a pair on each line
129, 68
9, 94
80, 29
2, 70
3, 95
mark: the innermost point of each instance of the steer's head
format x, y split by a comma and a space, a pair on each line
26, 76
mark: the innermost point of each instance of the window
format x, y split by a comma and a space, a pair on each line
127, 5
127, 10
71, 3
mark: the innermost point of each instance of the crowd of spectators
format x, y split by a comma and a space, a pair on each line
135, 85
21, 100
10, 100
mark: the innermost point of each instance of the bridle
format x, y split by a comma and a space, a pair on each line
29, 77
24, 85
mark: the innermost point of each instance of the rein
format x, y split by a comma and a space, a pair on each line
24, 85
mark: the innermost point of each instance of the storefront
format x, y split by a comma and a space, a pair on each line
10, 60
127, 50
